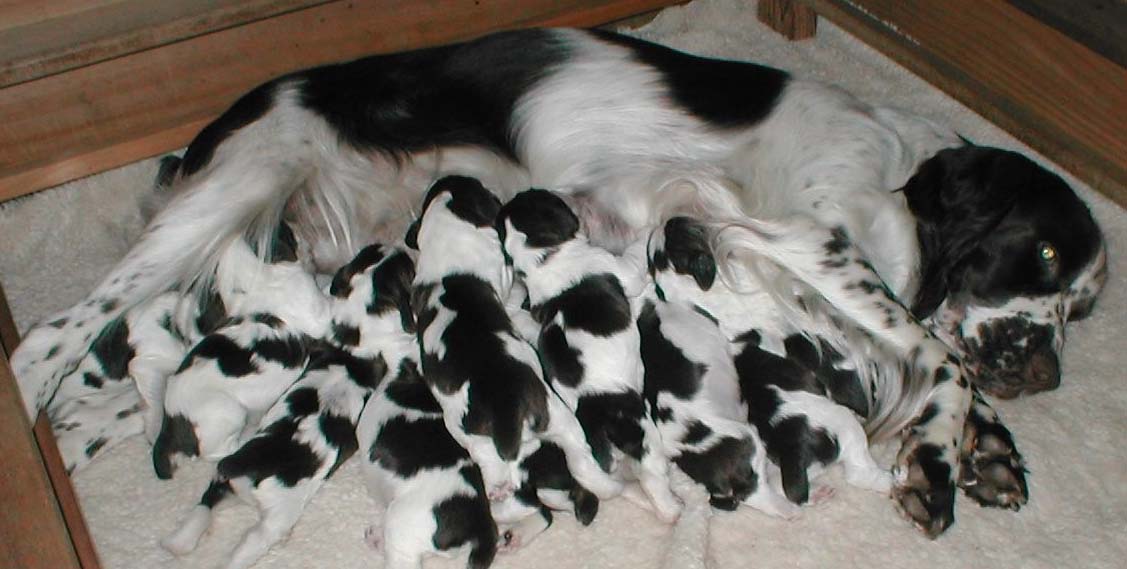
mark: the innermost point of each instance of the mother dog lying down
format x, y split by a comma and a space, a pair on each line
992, 251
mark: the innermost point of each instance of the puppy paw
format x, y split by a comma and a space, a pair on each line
992, 471
501, 492
820, 494
925, 489
510, 541
373, 536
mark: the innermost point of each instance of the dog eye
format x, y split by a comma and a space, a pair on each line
1048, 253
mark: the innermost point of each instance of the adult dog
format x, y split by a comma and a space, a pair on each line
996, 251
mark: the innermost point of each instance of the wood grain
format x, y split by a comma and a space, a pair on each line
1056, 95
118, 111
795, 21
63, 39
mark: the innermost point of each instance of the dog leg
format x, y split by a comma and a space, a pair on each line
993, 472
565, 431
653, 473
279, 511
87, 427
185, 539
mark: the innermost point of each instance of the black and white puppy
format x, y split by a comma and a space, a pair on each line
231, 377
582, 296
310, 431
485, 376
692, 387
792, 407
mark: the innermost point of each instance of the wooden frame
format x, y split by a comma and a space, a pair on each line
62, 126
1053, 92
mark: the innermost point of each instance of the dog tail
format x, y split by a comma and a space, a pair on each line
236, 180
802, 253
176, 437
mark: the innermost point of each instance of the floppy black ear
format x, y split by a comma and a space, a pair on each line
688, 250
958, 197
412, 238
393, 282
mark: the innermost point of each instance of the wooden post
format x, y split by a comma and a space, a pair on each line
41, 524
796, 21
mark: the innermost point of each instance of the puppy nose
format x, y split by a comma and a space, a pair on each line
1043, 370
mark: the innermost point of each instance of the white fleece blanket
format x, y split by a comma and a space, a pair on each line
57, 244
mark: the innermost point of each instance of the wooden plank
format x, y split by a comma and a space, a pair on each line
1048, 90
75, 532
64, 40
33, 533
114, 112
1101, 25
793, 20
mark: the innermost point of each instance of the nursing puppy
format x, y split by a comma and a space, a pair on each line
791, 406
691, 386
231, 377
485, 377
581, 296
310, 431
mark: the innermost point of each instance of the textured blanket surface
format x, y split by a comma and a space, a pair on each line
56, 245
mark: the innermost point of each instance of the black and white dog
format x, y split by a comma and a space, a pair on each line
310, 431
692, 387
487, 379
807, 411
582, 296
234, 375
997, 249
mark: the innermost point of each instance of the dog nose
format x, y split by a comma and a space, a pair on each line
1042, 373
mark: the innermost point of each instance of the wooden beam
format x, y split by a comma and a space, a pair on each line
795, 21
1053, 93
64, 126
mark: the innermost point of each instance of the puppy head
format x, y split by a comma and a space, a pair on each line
1009, 253
683, 246
533, 224
725, 469
461, 198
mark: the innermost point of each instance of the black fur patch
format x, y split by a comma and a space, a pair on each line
696, 433
247, 109
112, 350
346, 334
233, 360
689, 251
561, 361
406, 446
542, 217
466, 520
667, 368
612, 420
177, 436
597, 305
724, 469
273, 453
341, 285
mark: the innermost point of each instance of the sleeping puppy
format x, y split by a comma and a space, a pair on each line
430, 496
231, 377
692, 388
310, 431
485, 377
788, 384
581, 296
303, 439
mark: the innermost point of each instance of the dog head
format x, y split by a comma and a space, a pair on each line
1009, 254
460, 199
532, 225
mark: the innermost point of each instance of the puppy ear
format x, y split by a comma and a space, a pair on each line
688, 250
958, 197
412, 238
392, 283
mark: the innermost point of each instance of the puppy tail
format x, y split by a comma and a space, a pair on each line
176, 437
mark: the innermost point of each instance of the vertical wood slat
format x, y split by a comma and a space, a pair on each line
1051, 92
41, 525
792, 19
97, 117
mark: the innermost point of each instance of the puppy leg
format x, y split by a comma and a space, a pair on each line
565, 431
523, 532
861, 470
185, 539
992, 470
279, 507
653, 473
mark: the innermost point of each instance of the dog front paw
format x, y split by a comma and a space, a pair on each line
992, 471
925, 490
